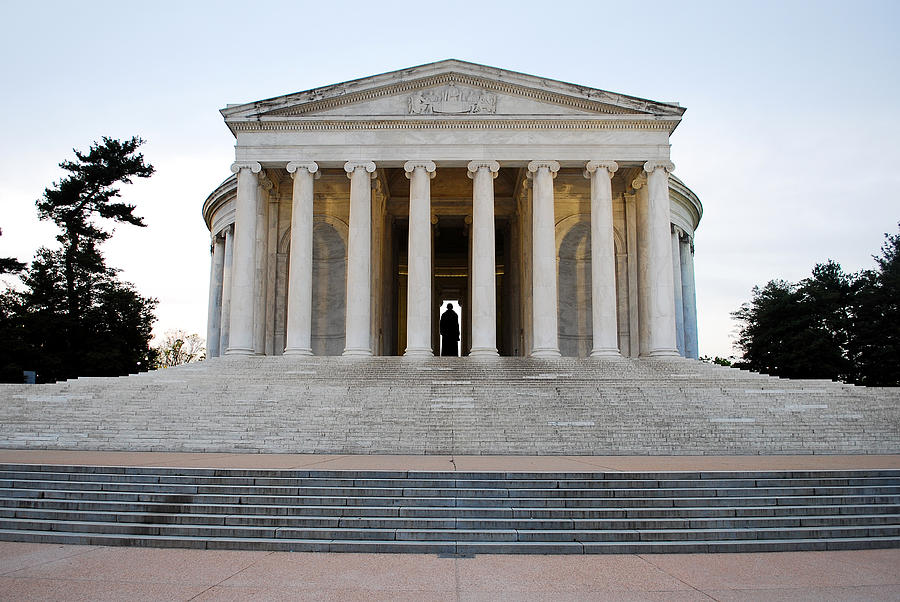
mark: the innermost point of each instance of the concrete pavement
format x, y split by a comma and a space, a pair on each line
72, 573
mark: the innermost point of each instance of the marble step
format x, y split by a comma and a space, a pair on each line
451, 547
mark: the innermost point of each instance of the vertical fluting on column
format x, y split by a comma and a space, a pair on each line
262, 246
631, 271
544, 291
271, 271
603, 260
676, 288
243, 277
214, 311
224, 334
689, 298
358, 327
484, 262
418, 287
659, 259
299, 297
643, 275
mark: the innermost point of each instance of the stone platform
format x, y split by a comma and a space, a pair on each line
502, 406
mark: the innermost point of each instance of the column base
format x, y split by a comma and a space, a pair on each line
663, 353
418, 352
360, 352
298, 351
607, 353
546, 352
483, 352
240, 351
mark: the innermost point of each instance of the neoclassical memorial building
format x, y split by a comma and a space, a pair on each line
547, 210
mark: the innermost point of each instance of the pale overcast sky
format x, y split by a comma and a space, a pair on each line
790, 137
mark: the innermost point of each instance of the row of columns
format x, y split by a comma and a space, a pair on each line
237, 259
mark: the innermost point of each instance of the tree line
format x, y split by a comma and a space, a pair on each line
834, 325
72, 314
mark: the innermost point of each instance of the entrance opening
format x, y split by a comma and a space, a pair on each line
457, 308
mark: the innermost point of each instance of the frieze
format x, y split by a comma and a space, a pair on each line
452, 99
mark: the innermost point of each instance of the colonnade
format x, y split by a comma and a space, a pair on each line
664, 313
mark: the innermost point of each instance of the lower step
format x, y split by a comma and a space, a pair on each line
451, 547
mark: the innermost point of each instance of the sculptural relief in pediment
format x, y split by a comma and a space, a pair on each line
452, 99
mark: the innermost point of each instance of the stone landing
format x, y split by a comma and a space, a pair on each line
391, 405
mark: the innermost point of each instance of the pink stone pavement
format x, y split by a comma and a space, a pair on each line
58, 572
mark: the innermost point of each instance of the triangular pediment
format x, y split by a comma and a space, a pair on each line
450, 89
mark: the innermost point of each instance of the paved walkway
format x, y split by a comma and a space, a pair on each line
57, 572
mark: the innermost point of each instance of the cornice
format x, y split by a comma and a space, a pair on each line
658, 124
223, 192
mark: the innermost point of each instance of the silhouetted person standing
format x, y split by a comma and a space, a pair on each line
449, 332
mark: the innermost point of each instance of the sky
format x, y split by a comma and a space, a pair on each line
790, 138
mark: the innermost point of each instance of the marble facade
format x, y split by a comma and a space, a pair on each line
548, 210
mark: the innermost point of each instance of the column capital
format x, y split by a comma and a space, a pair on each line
410, 166
534, 166
639, 182
593, 166
474, 166
651, 166
309, 166
253, 166
264, 182
351, 166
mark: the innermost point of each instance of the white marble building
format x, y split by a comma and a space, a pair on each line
547, 210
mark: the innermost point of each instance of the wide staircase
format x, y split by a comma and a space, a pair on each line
451, 512
394, 405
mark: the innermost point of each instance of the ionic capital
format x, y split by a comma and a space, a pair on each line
474, 166
639, 182
311, 167
351, 166
593, 166
534, 166
253, 166
651, 166
410, 166
264, 182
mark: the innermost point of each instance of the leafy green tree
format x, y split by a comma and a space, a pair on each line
878, 318
75, 317
178, 347
831, 325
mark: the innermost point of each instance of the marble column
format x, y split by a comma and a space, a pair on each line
418, 288
359, 267
676, 279
642, 225
214, 311
299, 297
484, 264
659, 260
228, 262
271, 271
689, 298
243, 280
603, 261
544, 292
631, 272
262, 248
